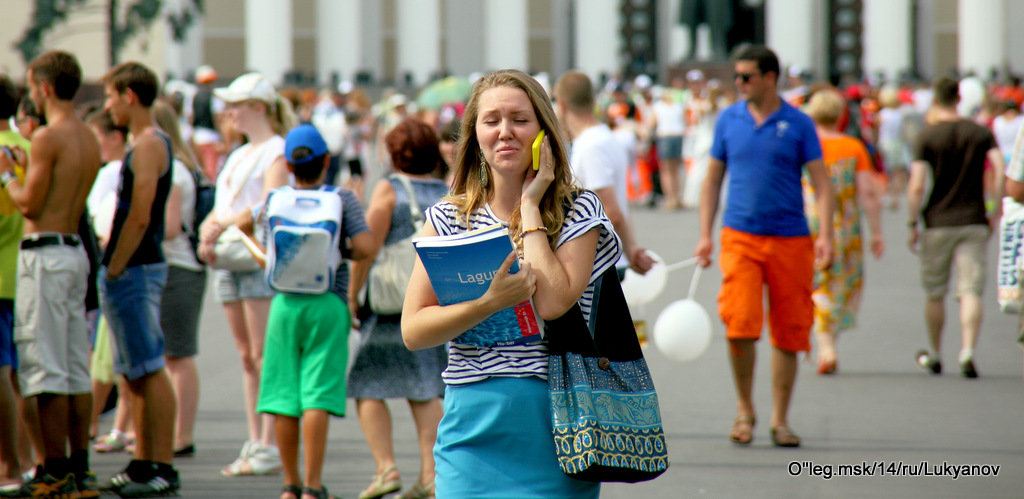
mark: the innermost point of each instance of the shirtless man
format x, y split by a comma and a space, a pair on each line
50, 328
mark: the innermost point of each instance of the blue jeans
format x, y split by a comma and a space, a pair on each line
131, 305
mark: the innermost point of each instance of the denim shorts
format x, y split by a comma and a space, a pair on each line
670, 147
236, 286
131, 305
8, 354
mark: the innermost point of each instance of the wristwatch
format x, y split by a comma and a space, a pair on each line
7, 177
912, 224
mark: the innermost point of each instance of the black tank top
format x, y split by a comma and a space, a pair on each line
202, 110
149, 248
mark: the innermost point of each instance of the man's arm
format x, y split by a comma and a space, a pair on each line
148, 162
31, 197
1015, 189
708, 207
995, 158
825, 198
638, 258
915, 196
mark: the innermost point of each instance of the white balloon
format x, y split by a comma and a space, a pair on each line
640, 289
683, 330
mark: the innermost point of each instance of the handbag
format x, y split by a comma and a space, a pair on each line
230, 252
1011, 249
605, 417
389, 275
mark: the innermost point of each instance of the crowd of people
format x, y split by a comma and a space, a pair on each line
106, 248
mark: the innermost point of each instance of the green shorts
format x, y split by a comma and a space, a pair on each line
305, 355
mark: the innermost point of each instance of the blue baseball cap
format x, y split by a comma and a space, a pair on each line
304, 136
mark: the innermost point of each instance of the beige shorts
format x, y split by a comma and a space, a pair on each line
962, 248
50, 329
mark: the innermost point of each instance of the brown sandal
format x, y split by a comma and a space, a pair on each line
783, 436
743, 430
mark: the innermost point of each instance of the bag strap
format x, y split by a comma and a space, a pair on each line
414, 205
248, 173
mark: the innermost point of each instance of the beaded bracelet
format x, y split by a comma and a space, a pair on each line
535, 229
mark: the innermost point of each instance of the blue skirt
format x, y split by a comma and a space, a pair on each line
495, 441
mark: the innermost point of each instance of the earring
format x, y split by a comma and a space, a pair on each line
483, 171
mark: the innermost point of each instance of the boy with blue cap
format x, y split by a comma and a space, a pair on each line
306, 348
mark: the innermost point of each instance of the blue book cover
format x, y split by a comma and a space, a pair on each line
461, 268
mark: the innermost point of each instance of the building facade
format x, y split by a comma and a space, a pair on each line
412, 41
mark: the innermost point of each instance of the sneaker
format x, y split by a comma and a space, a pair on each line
927, 363
265, 459
115, 441
87, 484
967, 369
44, 485
117, 481
157, 486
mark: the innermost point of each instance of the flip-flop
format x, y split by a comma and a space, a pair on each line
743, 430
381, 486
783, 436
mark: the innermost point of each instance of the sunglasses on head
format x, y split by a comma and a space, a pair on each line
744, 76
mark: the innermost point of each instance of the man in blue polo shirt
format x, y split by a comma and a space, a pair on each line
764, 143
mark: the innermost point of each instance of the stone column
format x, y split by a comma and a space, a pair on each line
268, 38
418, 38
183, 57
887, 37
981, 35
597, 37
506, 35
339, 38
791, 31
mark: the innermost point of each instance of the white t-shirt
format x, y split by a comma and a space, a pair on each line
889, 120
600, 160
1006, 131
671, 118
239, 164
178, 251
102, 200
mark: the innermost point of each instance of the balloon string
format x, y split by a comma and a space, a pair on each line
694, 280
681, 265
696, 272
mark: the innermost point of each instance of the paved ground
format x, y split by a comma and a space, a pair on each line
880, 410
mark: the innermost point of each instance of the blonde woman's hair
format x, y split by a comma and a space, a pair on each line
167, 120
889, 97
282, 116
826, 106
469, 194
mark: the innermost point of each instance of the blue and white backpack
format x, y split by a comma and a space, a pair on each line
304, 231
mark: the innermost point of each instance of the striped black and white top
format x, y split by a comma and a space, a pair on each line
469, 363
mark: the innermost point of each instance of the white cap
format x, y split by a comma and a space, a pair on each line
795, 71
694, 75
642, 82
250, 86
205, 74
398, 100
345, 86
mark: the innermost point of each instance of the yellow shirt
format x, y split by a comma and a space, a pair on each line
10, 223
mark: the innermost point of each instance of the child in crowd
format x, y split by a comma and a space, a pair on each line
306, 349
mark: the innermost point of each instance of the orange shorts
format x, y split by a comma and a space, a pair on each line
785, 265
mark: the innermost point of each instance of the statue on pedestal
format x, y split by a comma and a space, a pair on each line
717, 15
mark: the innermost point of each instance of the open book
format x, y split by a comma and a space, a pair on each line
461, 268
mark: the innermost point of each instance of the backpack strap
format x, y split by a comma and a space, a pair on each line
414, 206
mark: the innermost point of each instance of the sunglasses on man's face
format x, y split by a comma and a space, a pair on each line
745, 77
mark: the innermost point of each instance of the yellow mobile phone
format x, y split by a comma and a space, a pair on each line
536, 149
